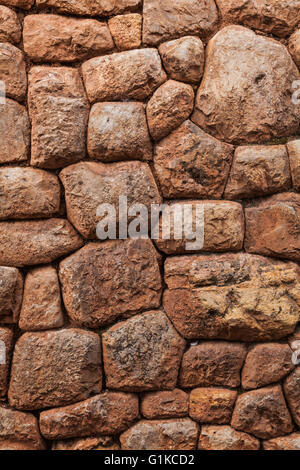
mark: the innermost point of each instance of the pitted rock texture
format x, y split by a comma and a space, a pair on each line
291, 442
10, 28
11, 293
19, 431
294, 47
212, 405
126, 31
166, 404
226, 438
89, 7
12, 71
15, 132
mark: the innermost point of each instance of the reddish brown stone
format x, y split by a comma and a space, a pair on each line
119, 131
6, 345
14, 131
171, 434
226, 438
108, 413
55, 368
19, 431
259, 106
292, 394
11, 292
10, 28
24, 4
294, 155
105, 281
54, 38
291, 442
156, 405
59, 110
258, 170
213, 363
28, 193
143, 353
131, 75
183, 58
41, 307
126, 31
238, 297
266, 364
90, 7
87, 443
166, 19
191, 164
169, 107
263, 413
43, 241
294, 47
212, 405
12, 71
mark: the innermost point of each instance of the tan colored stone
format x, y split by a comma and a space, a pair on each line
12, 71
54, 38
6, 345
191, 164
11, 292
294, 155
91, 7
10, 28
59, 110
41, 307
126, 31
237, 297
258, 107
166, 404
169, 107
14, 131
19, 431
36, 242
108, 413
87, 443
218, 438
215, 363
143, 353
266, 364
291, 442
55, 368
292, 394
262, 413
28, 193
130, 75
212, 405
119, 131
89, 184
166, 19
258, 170
272, 227
107, 280
24, 4
294, 47
223, 227
183, 58
171, 434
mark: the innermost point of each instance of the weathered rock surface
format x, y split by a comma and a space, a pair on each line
183, 58
105, 281
212, 405
273, 227
28, 193
54, 38
263, 413
11, 292
169, 107
166, 404
126, 31
55, 368
213, 364
130, 75
14, 131
10, 28
6, 345
164, 19
43, 241
292, 394
258, 106
171, 434
258, 170
119, 131
294, 47
294, 156
19, 431
59, 110
218, 438
12, 71
41, 307
24, 4
291, 442
143, 353
108, 413
90, 7
237, 297
191, 164
87, 443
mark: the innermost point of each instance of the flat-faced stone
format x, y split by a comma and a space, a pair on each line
258, 170
169, 107
43, 241
14, 131
212, 405
119, 131
294, 156
165, 19
292, 394
294, 47
226, 438
54, 38
130, 75
41, 307
6, 344
90, 7
258, 107
55, 368
12, 71
86, 443
237, 297
183, 58
166, 404
143, 353
126, 31
215, 363
171, 434
262, 413
107, 414
11, 292
24, 4
19, 431
291, 442
105, 281
10, 28
191, 164
59, 111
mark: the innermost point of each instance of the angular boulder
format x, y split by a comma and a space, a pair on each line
166, 404
212, 405
126, 31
